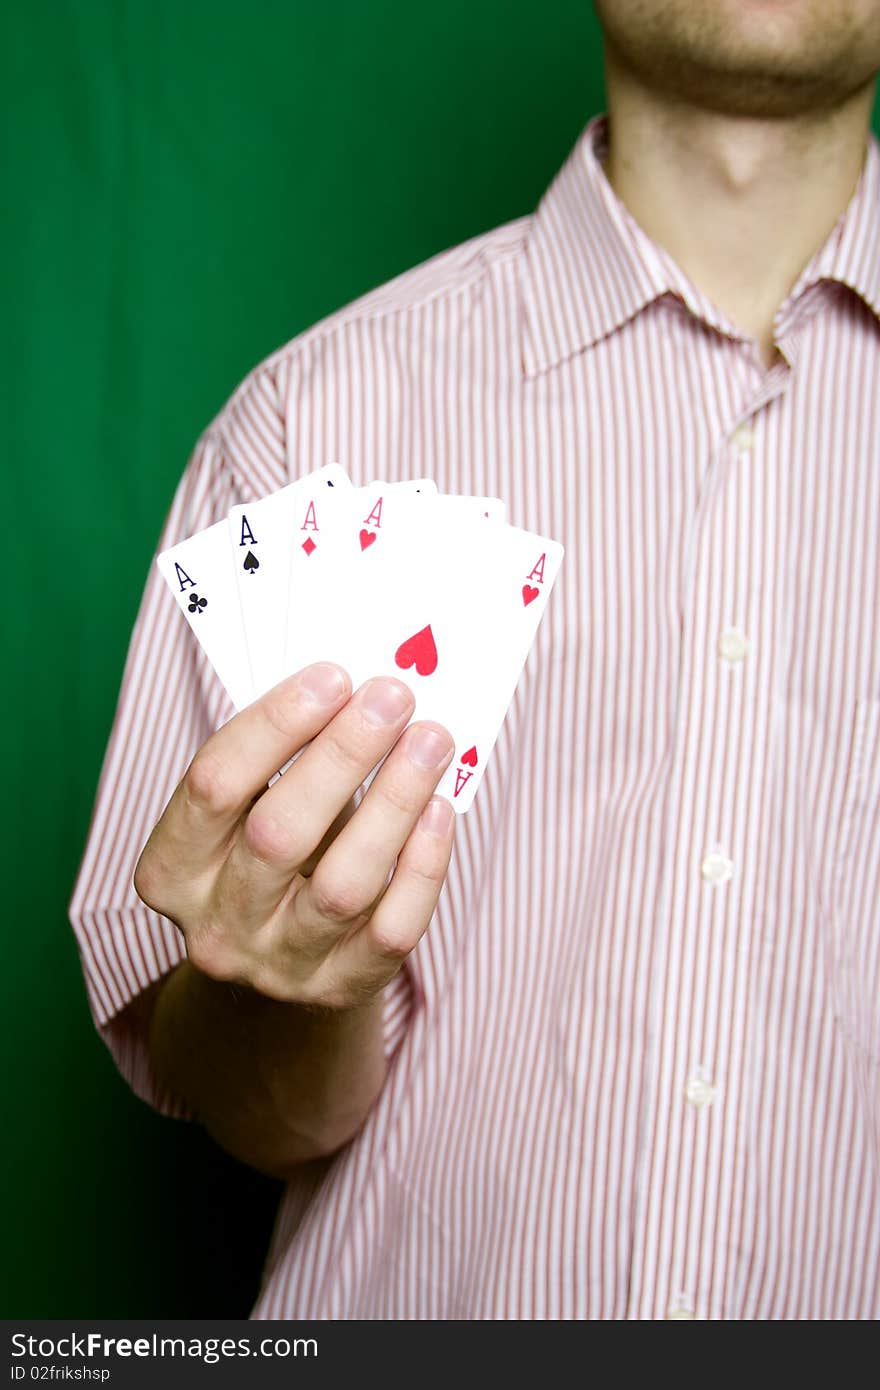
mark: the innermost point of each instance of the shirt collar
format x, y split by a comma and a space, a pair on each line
850, 254
588, 267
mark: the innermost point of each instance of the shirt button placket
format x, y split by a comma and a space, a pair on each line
693, 1092
716, 868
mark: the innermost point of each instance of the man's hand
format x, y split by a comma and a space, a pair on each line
226, 860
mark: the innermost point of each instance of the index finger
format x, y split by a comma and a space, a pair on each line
235, 764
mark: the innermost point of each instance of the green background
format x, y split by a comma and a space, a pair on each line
186, 186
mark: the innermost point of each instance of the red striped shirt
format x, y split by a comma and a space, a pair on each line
636, 1058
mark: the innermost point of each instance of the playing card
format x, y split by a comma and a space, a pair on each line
451, 608
329, 529
371, 514
262, 539
368, 521
519, 569
388, 579
201, 577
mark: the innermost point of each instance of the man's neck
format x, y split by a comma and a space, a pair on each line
741, 204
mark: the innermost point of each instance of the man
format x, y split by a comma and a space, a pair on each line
622, 1059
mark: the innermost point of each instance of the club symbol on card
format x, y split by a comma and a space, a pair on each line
196, 604
366, 538
419, 651
308, 545
251, 563
529, 594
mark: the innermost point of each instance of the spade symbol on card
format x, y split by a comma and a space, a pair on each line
251, 563
196, 604
419, 651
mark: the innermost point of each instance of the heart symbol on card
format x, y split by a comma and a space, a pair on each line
529, 594
469, 758
419, 651
367, 538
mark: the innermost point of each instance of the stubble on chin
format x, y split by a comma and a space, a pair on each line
738, 60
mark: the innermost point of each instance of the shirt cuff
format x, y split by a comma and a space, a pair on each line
124, 953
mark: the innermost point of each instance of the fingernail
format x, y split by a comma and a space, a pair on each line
385, 701
323, 683
427, 748
437, 816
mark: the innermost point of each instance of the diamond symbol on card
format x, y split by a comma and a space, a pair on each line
308, 545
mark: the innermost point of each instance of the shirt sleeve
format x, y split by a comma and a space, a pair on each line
169, 702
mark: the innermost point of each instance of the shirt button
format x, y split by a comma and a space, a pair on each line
679, 1312
716, 867
732, 645
699, 1092
742, 439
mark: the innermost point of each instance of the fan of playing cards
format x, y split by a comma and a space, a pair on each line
391, 579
